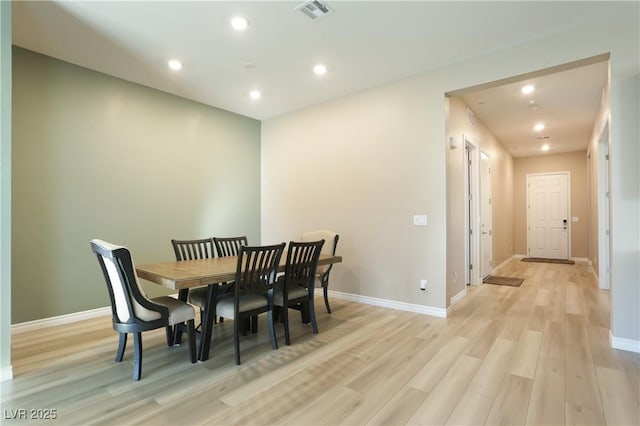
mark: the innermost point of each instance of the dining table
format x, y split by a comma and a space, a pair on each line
187, 274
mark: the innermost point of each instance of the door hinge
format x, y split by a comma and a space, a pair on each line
470, 267
606, 157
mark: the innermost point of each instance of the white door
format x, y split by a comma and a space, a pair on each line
486, 217
548, 215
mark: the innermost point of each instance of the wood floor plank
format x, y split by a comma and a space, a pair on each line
547, 402
618, 402
476, 402
443, 399
510, 405
583, 405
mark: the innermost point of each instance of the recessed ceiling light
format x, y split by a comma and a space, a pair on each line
239, 23
319, 69
527, 89
255, 94
175, 64
538, 127
545, 147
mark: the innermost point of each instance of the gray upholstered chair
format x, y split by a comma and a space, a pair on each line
322, 274
294, 289
132, 311
252, 290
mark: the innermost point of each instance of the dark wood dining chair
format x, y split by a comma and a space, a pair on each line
295, 288
132, 311
229, 246
202, 248
253, 290
322, 274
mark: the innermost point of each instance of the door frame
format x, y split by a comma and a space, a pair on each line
480, 215
471, 212
569, 220
604, 209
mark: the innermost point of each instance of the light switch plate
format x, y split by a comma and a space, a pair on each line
574, 219
420, 220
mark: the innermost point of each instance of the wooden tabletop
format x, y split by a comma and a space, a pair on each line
196, 273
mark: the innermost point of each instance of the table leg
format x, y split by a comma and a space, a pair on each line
177, 330
207, 321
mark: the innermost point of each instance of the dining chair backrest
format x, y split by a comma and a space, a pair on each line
128, 302
193, 249
302, 263
257, 268
229, 246
331, 239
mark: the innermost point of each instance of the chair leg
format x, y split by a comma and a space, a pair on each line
191, 329
170, 335
254, 324
312, 314
325, 290
122, 345
284, 314
236, 338
137, 356
272, 329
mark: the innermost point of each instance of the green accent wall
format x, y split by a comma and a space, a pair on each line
95, 156
5, 190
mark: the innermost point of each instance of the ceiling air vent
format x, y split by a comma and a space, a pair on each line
315, 9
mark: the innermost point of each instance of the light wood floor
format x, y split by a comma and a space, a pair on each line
537, 355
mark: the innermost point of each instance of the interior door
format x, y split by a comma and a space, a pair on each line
548, 215
486, 217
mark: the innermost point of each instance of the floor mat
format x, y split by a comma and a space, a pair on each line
510, 281
543, 260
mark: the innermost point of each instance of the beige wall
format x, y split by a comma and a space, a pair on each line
576, 164
97, 157
501, 163
361, 166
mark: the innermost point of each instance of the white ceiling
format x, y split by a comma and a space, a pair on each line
363, 44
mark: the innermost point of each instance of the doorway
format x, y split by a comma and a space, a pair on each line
486, 217
548, 215
472, 242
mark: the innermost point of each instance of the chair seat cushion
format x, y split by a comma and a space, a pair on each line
249, 302
295, 292
179, 311
198, 296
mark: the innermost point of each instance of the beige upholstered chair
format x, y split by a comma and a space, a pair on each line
132, 311
322, 274
295, 288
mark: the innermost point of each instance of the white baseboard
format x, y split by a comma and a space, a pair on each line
458, 297
392, 304
59, 320
515, 256
6, 373
624, 344
581, 260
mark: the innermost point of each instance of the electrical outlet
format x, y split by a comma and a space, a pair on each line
423, 285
